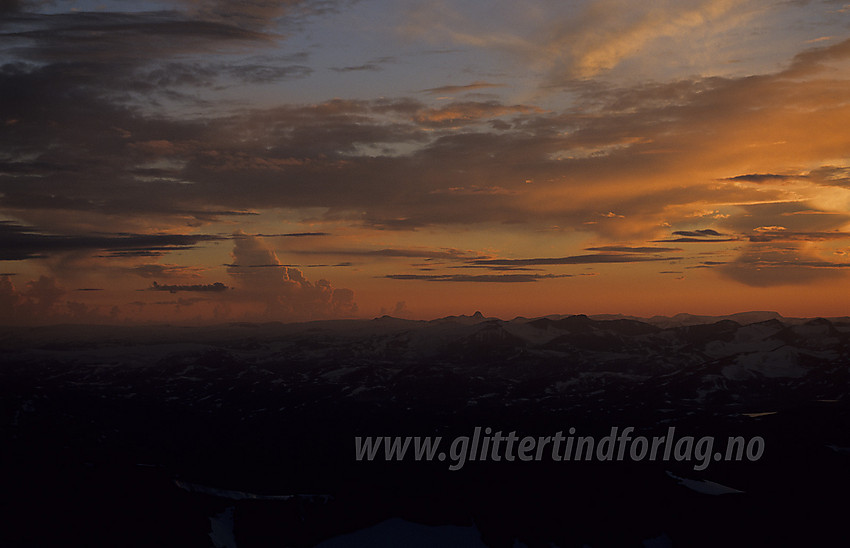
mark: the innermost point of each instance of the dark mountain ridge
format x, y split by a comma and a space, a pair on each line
259, 420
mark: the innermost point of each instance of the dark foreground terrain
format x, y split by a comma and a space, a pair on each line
243, 435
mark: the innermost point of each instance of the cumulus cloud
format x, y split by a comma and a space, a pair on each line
284, 292
37, 300
44, 302
400, 310
41, 302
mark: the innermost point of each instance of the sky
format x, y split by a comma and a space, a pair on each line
209, 161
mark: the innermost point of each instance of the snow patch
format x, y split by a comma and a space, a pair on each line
398, 532
780, 363
221, 529
661, 541
840, 450
242, 495
705, 487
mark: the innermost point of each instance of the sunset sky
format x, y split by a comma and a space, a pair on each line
215, 161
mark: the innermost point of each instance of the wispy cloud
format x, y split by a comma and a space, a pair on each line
463, 88
374, 65
216, 287
478, 278
18, 242
631, 249
597, 258
409, 253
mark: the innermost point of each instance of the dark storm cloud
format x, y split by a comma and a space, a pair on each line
599, 258
107, 53
192, 26
134, 253
19, 242
694, 240
72, 147
108, 37
69, 148
760, 178
706, 235
698, 233
478, 278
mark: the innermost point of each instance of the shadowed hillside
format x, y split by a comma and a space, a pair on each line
244, 434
